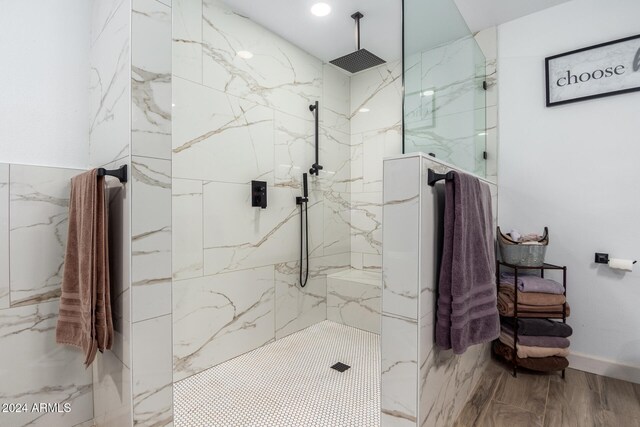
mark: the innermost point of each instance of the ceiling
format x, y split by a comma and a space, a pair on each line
333, 36
481, 14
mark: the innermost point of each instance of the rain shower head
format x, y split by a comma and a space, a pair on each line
361, 59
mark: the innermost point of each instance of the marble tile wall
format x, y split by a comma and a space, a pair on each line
353, 299
110, 147
237, 120
110, 88
440, 381
446, 380
4, 236
375, 134
151, 181
33, 233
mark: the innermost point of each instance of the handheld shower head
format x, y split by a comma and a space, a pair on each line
305, 189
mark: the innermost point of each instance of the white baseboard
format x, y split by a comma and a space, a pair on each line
604, 367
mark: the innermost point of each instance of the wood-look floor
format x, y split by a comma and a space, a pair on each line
535, 399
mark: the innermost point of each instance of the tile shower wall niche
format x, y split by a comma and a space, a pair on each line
237, 120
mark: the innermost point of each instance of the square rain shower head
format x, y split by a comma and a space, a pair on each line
357, 61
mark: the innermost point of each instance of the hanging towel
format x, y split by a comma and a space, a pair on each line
85, 305
466, 308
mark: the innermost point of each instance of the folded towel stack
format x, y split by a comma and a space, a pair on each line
537, 297
542, 344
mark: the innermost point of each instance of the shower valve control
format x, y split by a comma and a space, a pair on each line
259, 194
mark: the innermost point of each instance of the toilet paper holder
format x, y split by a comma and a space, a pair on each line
602, 258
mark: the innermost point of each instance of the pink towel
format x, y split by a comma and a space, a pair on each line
85, 320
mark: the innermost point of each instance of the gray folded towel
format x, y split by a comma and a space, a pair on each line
527, 283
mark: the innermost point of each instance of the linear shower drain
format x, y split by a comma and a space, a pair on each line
340, 367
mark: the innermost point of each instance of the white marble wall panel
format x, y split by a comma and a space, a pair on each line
353, 299
447, 381
380, 91
279, 75
187, 226
376, 132
4, 235
399, 382
401, 249
151, 238
110, 84
368, 150
35, 369
220, 137
336, 99
151, 79
337, 223
111, 391
334, 155
219, 317
238, 236
297, 308
187, 39
152, 374
120, 265
294, 149
366, 223
39, 199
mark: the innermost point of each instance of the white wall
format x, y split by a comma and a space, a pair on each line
44, 80
575, 169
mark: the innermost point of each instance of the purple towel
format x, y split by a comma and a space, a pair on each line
528, 283
467, 311
537, 341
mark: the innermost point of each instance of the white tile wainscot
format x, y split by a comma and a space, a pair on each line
353, 299
421, 384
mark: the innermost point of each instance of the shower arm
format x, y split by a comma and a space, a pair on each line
357, 17
316, 168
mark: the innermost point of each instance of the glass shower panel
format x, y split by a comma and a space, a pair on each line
444, 102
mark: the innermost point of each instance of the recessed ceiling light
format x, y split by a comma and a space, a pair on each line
482, 134
321, 9
428, 93
245, 54
364, 110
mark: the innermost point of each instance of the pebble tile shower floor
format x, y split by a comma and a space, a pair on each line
289, 383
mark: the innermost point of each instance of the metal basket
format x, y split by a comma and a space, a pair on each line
519, 254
